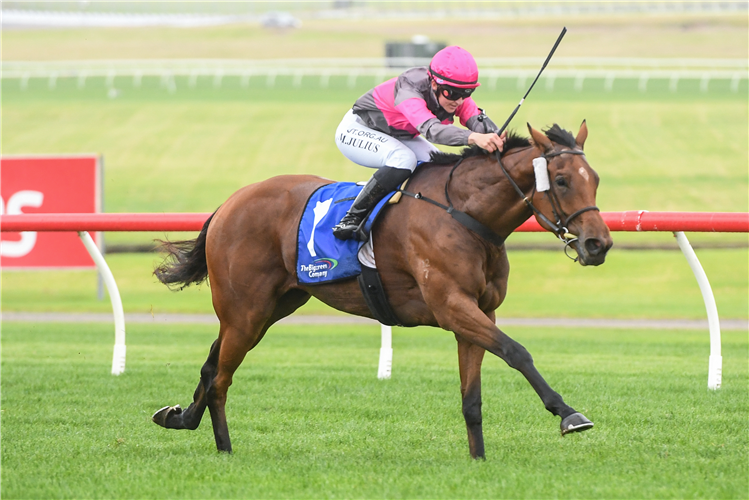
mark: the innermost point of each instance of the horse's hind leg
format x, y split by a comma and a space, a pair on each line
237, 337
173, 417
470, 357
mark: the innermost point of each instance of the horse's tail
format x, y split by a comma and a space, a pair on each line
185, 263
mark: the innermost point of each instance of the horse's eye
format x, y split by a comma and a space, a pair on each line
561, 181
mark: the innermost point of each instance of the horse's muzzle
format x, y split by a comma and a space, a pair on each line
592, 251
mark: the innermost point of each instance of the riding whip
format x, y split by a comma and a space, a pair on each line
556, 44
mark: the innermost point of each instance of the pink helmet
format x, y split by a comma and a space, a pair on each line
455, 67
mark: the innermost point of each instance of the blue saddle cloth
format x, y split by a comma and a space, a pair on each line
321, 257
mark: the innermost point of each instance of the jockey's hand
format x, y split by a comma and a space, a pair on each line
489, 142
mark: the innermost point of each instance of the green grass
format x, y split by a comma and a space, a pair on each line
687, 36
650, 284
191, 150
309, 419
188, 151
307, 415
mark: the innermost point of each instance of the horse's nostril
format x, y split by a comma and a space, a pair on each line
593, 246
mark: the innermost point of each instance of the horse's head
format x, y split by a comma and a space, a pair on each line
568, 205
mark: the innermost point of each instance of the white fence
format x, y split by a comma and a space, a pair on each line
375, 70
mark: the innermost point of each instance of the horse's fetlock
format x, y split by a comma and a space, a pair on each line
556, 406
472, 415
565, 411
472, 408
192, 424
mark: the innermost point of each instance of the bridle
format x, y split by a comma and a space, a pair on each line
560, 226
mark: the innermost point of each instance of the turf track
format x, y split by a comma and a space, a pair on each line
299, 319
309, 419
632, 285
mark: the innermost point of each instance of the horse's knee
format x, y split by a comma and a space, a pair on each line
515, 355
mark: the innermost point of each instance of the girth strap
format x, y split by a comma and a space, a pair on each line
463, 218
374, 296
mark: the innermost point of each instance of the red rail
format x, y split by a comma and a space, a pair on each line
719, 222
104, 222
642, 220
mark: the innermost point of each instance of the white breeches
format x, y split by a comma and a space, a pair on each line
374, 149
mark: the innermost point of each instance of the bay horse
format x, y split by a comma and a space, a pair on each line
434, 270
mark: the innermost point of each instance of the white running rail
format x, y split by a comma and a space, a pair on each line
378, 69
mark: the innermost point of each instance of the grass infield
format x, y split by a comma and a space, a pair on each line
189, 151
643, 284
309, 419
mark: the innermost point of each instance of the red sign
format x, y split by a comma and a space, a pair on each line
48, 184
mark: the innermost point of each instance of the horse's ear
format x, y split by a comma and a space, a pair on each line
539, 139
582, 134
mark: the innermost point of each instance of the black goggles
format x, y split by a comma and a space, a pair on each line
454, 93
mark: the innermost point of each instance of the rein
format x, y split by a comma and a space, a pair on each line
559, 227
462, 217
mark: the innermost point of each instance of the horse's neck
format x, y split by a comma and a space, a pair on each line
483, 191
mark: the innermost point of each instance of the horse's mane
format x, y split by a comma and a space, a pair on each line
555, 133
514, 140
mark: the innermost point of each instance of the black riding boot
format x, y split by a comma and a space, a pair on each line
385, 180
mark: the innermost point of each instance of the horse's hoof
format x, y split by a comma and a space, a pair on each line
575, 423
161, 416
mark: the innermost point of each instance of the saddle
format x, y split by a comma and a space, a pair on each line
322, 258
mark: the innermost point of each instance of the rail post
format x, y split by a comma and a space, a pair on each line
120, 350
715, 361
386, 353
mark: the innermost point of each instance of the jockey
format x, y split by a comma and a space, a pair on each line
392, 126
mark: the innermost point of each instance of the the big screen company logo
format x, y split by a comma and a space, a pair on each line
319, 268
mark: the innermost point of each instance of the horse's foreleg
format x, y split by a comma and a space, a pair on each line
516, 356
173, 417
470, 357
462, 316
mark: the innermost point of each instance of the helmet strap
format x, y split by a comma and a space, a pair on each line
436, 91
